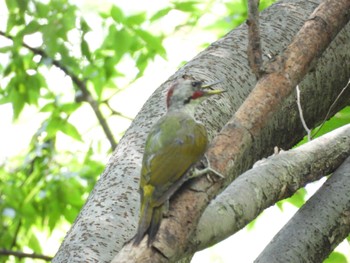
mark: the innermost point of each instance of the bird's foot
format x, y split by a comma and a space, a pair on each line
208, 170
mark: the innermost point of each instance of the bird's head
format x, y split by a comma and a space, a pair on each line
189, 92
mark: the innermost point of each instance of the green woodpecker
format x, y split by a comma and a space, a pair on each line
174, 144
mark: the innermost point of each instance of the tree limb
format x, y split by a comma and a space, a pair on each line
268, 182
318, 227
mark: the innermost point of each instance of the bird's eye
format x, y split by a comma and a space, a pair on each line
196, 84
186, 101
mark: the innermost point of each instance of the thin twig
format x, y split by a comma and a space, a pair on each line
330, 109
254, 43
86, 95
301, 114
117, 113
14, 240
18, 254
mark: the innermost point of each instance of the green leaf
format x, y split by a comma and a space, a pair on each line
53, 125
84, 26
14, 19
137, 19
71, 193
97, 82
6, 49
28, 211
236, 7
70, 130
8, 70
42, 10
160, 14
16, 98
339, 119
298, 199
70, 214
50, 38
153, 43
336, 257
12, 5
266, 3
117, 14
49, 107
110, 70
189, 6
141, 64
85, 50
22, 5
31, 28
69, 108
69, 17
33, 85
122, 41
33, 191
55, 212
251, 225
34, 243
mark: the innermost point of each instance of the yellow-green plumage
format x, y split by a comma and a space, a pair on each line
173, 145
171, 149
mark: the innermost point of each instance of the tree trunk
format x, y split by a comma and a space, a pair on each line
109, 217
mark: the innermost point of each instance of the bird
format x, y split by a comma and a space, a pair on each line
175, 142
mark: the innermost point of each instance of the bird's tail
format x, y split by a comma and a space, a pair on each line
149, 222
155, 223
145, 219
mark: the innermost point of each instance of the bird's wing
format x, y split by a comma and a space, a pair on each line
170, 152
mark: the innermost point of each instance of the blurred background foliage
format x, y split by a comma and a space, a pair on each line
64, 62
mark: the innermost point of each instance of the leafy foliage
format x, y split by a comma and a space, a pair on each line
336, 257
45, 186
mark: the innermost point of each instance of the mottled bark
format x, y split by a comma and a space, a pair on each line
269, 181
315, 230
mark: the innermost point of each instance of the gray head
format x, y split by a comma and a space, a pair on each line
189, 92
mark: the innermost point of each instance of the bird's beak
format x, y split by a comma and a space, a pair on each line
208, 85
212, 91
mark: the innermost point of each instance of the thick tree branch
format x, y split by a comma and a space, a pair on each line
286, 72
18, 254
318, 227
268, 182
80, 84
